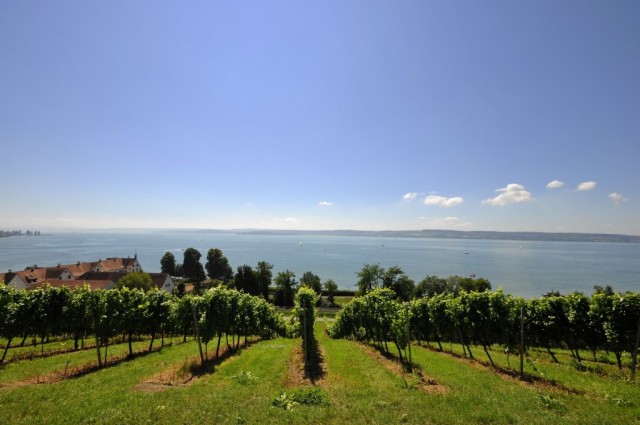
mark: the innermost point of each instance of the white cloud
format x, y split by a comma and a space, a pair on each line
617, 198
443, 201
584, 186
325, 203
409, 196
556, 184
512, 194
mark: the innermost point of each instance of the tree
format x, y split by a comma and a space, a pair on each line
404, 287
263, 277
192, 268
191, 260
330, 288
370, 277
168, 263
180, 288
245, 280
286, 286
135, 280
470, 284
390, 275
312, 281
395, 279
198, 278
430, 286
607, 290
218, 266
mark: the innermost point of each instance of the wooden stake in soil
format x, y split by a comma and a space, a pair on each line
409, 339
304, 335
195, 323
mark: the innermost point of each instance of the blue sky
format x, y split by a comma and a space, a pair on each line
321, 115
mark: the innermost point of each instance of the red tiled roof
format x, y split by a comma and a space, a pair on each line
32, 275
79, 268
159, 279
55, 272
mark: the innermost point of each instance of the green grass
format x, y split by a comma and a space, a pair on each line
356, 389
343, 300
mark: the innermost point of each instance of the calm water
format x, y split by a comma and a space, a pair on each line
521, 268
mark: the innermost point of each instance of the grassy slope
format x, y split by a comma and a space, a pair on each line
359, 389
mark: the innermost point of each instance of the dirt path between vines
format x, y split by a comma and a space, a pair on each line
187, 372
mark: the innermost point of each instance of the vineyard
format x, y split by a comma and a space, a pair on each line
125, 356
603, 322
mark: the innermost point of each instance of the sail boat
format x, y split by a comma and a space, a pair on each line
466, 250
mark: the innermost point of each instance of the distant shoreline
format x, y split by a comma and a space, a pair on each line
417, 234
452, 234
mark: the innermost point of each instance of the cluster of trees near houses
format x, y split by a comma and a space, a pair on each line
254, 281
258, 280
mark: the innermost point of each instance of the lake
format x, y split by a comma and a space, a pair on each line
522, 268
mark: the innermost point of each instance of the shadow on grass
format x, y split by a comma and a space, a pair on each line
195, 368
187, 372
48, 352
412, 375
111, 362
314, 365
78, 371
511, 373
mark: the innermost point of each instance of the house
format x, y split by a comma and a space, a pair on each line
57, 273
79, 268
117, 264
36, 275
13, 279
96, 273
113, 276
163, 281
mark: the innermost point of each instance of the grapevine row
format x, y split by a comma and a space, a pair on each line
609, 322
104, 314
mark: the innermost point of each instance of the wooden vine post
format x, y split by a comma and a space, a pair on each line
408, 337
304, 335
195, 323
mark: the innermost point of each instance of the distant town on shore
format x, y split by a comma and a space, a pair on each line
7, 233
